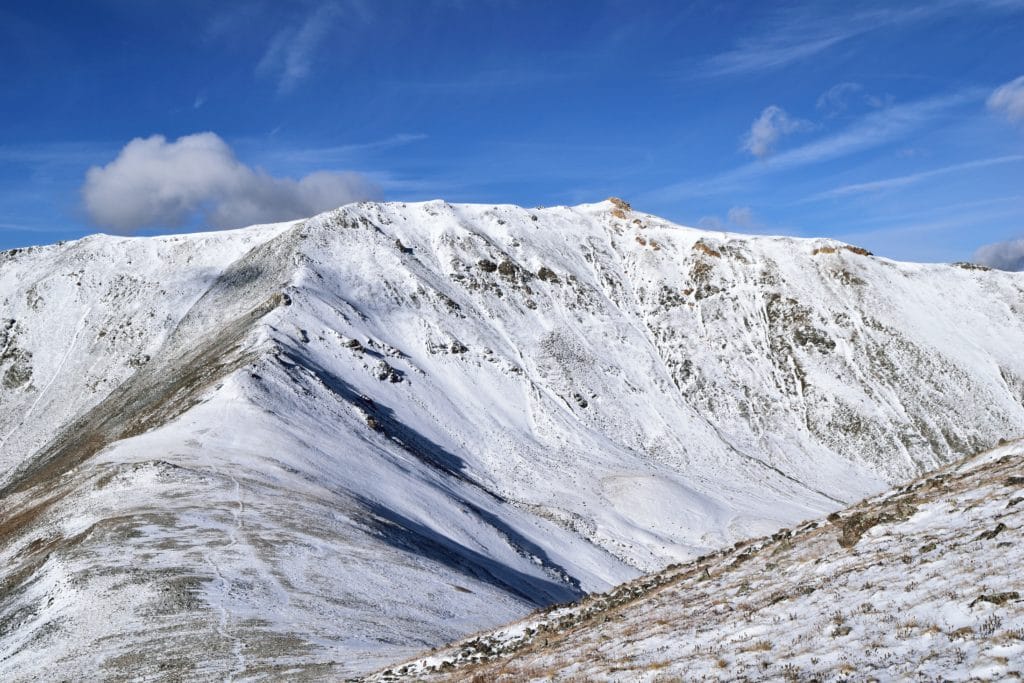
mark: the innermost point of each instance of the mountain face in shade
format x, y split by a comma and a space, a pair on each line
312, 448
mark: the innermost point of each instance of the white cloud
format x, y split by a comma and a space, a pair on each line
842, 97
788, 36
736, 218
742, 216
156, 183
874, 129
836, 99
798, 31
767, 128
758, 56
903, 181
345, 153
710, 223
289, 57
1008, 255
1008, 99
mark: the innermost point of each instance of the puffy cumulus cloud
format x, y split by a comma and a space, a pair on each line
156, 183
1008, 100
766, 130
1007, 255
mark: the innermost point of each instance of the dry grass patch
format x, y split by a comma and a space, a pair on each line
835, 250
705, 248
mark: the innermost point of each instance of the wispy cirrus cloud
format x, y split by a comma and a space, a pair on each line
962, 211
289, 56
910, 179
54, 153
1008, 100
791, 35
22, 227
798, 32
345, 153
765, 54
490, 79
919, 237
836, 99
874, 129
736, 218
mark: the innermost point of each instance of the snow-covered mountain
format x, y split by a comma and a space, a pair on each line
922, 583
316, 447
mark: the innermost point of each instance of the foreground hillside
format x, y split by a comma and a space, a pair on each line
312, 448
923, 582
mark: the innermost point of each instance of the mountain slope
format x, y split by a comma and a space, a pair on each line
312, 447
922, 582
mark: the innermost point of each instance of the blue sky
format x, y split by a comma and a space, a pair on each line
895, 126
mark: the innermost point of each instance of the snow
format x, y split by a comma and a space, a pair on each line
318, 446
926, 597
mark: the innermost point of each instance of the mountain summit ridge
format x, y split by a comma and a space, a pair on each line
316, 445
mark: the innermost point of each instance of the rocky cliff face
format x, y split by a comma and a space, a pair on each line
311, 447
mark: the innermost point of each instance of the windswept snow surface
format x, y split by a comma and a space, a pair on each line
305, 449
922, 583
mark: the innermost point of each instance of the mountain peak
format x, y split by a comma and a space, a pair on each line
453, 413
